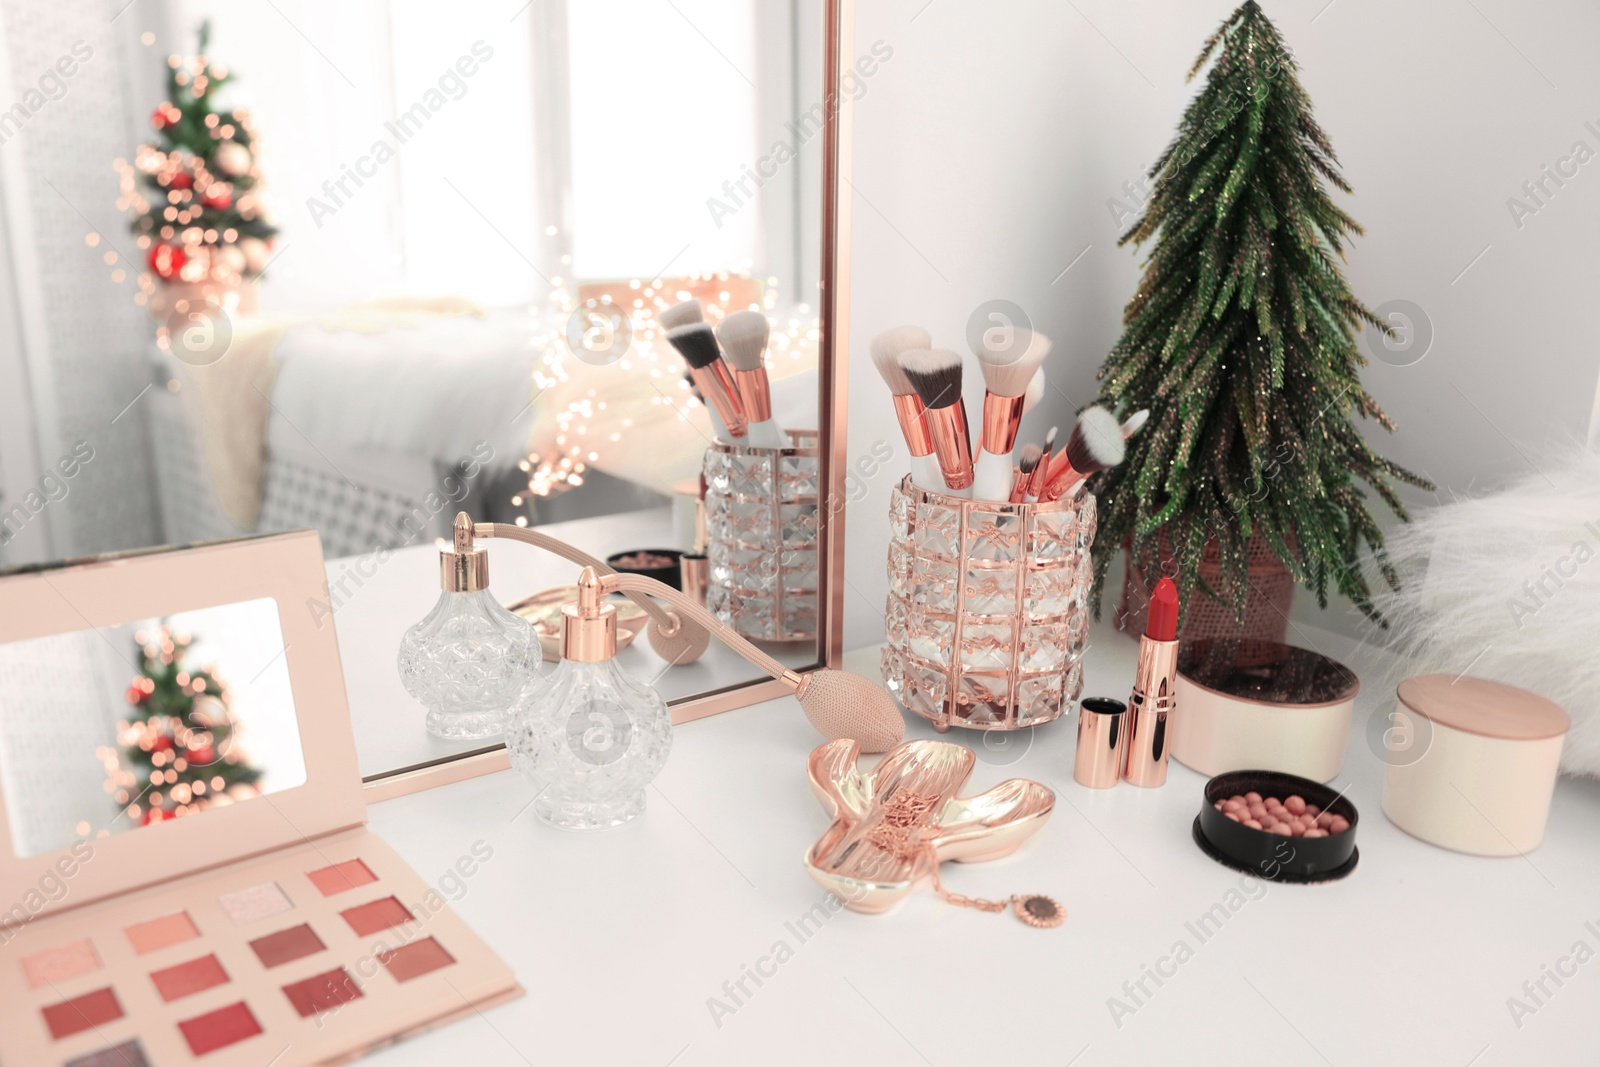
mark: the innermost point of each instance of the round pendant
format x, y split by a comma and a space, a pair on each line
1038, 910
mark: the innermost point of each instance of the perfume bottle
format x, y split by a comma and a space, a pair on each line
469, 659
591, 738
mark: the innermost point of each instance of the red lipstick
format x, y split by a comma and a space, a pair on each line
1153, 702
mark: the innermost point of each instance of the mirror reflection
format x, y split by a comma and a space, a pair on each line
359, 267
118, 727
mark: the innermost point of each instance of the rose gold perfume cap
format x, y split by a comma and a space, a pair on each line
1098, 763
589, 627
464, 568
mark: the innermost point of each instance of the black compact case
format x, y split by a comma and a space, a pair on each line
1274, 857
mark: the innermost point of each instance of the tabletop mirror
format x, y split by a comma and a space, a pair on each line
360, 267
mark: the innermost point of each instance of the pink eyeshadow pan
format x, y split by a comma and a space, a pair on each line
81, 1013
416, 959
322, 992
159, 933
60, 963
220, 1028
341, 876
189, 978
285, 946
378, 915
256, 902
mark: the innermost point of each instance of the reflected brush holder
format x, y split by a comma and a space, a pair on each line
987, 615
761, 531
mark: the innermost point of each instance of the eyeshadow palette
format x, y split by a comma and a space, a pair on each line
193, 921
200, 971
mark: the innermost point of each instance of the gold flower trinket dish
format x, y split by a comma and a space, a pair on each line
894, 825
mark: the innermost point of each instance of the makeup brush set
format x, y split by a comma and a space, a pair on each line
930, 404
728, 367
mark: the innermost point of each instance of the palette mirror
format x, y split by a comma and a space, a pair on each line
119, 727
359, 267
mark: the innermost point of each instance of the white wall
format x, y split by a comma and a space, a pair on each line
987, 148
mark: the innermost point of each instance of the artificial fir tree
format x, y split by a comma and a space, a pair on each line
179, 749
193, 195
1242, 341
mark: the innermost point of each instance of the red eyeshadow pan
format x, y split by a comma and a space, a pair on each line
81, 1013
220, 1028
275, 950
416, 959
341, 876
322, 992
188, 978
379, 915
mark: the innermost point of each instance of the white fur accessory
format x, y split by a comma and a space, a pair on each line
1507, 586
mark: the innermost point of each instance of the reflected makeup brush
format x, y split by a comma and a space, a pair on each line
1035, 393
697, 344
719, 429
886, 349
744, 345
684, 314
1096, 443
1007, 371
1132, 423
936, 376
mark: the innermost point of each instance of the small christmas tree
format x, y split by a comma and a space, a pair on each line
1242, 341
193, 195
178, 748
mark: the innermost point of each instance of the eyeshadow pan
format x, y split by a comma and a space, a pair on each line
159, 933
188, 978
378, 915
416, 959
256, 902
275, 950
220, 1028
81, 1013
341, 876
322, 992
127, 1054
60, 963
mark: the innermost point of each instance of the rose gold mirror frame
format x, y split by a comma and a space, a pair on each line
833, 380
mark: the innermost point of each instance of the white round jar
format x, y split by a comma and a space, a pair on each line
1478, 765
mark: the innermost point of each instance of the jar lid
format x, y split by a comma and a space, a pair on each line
1266, 672
1479, 706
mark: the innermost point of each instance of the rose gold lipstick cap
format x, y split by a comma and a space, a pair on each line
1098, 763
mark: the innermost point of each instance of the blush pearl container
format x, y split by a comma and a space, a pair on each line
1263, 705
1276, 857
1478, 766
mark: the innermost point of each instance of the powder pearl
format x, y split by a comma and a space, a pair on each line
1233, 805
1296, 805
1233, 815
1313, 811
1324, 821
1281, 828
1316, 833
1339, 825
1253, 797
1252, 824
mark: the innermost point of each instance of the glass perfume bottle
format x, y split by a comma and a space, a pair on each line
590, 739
469, 659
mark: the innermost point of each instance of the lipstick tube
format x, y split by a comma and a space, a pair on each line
1150, 711
919, 440
717, 386
1102, 728
952, 443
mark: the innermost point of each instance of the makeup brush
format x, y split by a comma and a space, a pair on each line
886, 349
1036, 485
1035, 393
684, 314
744, 345
719, 429
936, 376
1029, 463
697, 344
1096, 443
1132, 423
1007, 371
